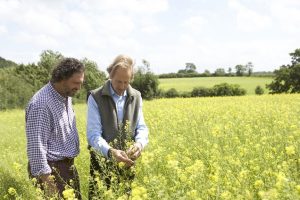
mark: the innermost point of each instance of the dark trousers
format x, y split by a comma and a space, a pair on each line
102, 170
63, 171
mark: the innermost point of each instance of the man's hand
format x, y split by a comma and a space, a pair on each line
49, 185
121, 156
135, 151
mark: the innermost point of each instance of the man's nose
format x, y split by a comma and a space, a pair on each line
79, 87
123, 86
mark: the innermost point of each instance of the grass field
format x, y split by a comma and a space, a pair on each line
187, 84
200, 148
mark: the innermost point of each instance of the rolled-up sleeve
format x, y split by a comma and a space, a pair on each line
37, 133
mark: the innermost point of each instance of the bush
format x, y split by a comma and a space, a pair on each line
186, 94
225, 89
171, 93
201, 92
146, 83
259, 90
237, 91
160, 93
14, 91
93, 77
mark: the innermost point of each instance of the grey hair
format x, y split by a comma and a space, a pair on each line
121, 61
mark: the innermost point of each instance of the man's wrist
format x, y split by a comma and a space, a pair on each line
139, 145
109, 153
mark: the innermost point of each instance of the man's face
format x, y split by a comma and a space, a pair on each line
120, 80
73, 84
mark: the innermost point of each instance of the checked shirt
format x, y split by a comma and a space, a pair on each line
50, 130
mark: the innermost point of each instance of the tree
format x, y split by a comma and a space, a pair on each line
220, 72
40, 74
32, 74
48, 60
146, 64
240, 70
93, 77
206, 72
6, 63
249, 68
145, 81
14, 91
287, 78
190, 67
295, 57
229, 71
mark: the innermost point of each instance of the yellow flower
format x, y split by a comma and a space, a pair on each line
124, 197
17, 166
34, 181
212, 191
290, 150
12, 191
108, 194
258, 184
69, 194
281, 180
270, 194
121, 165
193, 194
226, 195
298, 189
139, 192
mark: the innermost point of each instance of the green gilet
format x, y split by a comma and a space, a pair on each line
108, 113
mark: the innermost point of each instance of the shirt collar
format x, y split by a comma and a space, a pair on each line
113, 93
56, 94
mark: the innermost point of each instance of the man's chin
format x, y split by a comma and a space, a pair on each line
71, 94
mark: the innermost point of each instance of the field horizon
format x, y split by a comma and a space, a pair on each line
187, 84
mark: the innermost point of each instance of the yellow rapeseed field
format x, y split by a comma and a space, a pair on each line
200, 148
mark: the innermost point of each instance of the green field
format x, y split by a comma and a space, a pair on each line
187, 84
200, 148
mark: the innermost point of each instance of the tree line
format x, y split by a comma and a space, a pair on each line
18, 82
190, 70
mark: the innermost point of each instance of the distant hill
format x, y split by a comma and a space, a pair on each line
6, 63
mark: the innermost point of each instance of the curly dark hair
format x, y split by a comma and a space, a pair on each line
66, 68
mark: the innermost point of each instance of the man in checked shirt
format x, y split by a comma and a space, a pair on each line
52, 136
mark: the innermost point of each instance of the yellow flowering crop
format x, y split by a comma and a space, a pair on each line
199, 148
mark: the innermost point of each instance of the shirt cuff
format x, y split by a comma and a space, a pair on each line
37, 169
142, 142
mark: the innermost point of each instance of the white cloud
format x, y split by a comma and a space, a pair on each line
136, 6
117, 25
3, 29
248, 20
288, 15
151, 29
8, 7
195, 23
148, 25
79, 23
47, 22
39, 40
166, 35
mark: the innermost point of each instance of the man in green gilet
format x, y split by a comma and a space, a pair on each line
116, 131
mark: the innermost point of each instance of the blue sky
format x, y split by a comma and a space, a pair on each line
167, 33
